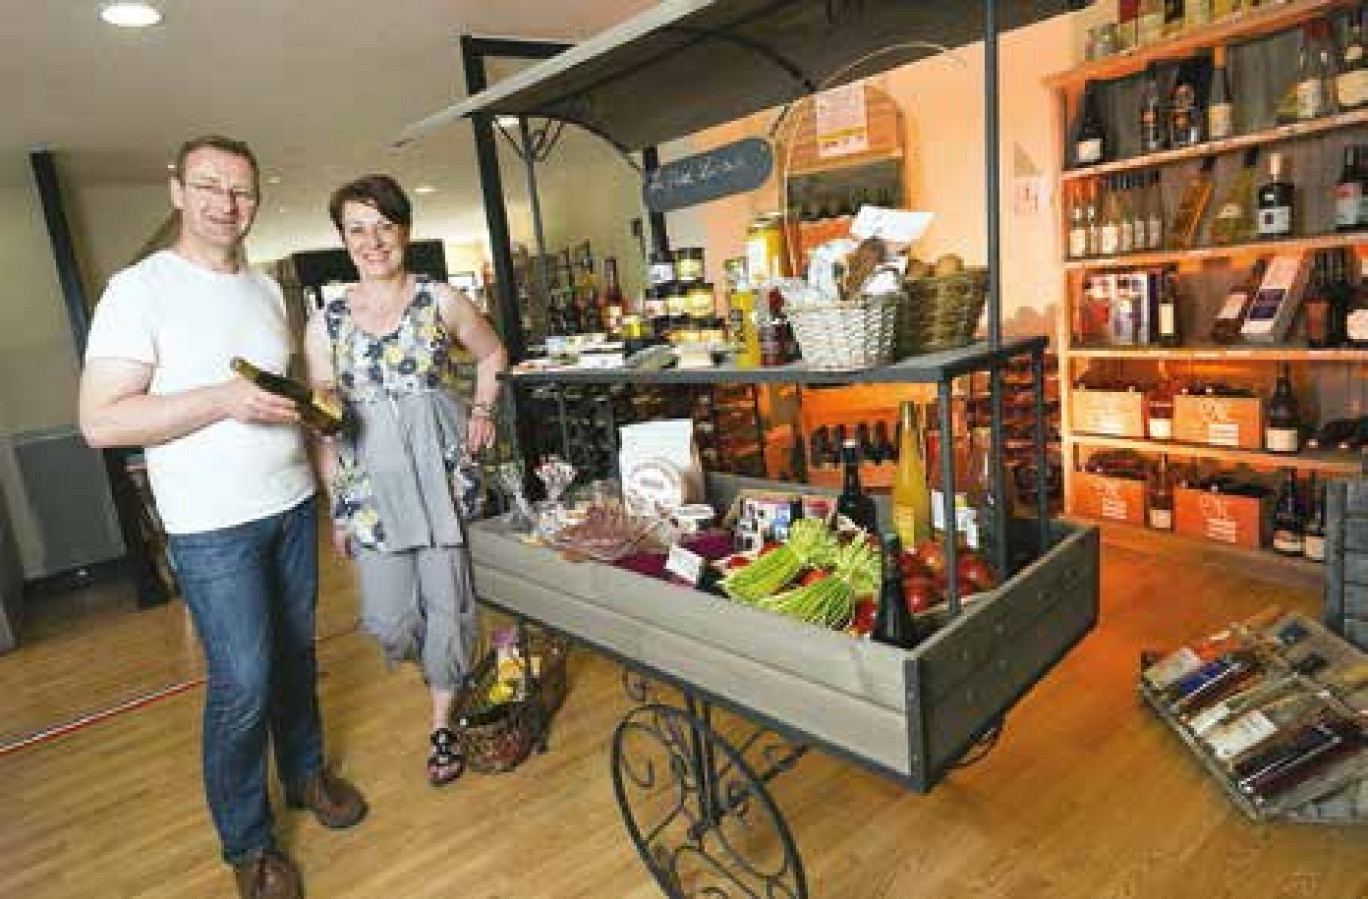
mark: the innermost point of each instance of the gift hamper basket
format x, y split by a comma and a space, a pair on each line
504, 707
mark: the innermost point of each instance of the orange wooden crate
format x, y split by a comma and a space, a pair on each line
1219, 421
1111, 499
1234, 520
1110, 412
798, 139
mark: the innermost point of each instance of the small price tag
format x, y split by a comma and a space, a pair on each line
685, 564
892, 225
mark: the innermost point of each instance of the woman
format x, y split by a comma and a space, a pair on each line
398, 481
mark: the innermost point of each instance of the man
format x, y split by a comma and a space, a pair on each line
229, 471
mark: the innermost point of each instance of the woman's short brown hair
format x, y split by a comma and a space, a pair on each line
380, 192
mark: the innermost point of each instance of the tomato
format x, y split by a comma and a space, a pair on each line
814, 575
862, 622
932, 555
921, 593
974, 574
736, 562
910, 564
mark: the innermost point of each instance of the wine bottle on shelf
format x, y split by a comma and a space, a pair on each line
1111, 220
1329, 435
1192, 206
1078, 226
1315, 304
1356, 441
317, 411
854, 503
1276, 201
1356, 311
1159, 498
1174, 17
1154, 120
1349, 192
1308, 96
1288, 524
867, 451
1282, 429
1090, 146
894, 624
1341, 294
1220, 110
1313, 541
1234, 219
1197, 13
1226, 328
910, 498
1125, 231
1155, 211
1351, 83
1169, 331
1091, 218
1187, 119
883, 447
1160, 408
819, 447
1151, 22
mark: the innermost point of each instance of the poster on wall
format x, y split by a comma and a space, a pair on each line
842, 121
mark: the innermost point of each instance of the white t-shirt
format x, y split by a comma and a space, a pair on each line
188, 322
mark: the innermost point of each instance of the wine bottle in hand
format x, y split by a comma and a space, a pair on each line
317, 411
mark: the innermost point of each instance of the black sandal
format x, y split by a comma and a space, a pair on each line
446, 762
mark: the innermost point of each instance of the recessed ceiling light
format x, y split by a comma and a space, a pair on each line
274, 179
130, 14
506, 121
425, 189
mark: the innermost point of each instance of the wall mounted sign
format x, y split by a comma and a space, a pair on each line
729, 169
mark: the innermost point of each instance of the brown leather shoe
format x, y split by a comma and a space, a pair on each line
334, 802
268, 874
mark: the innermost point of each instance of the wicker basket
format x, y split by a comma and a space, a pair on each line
942, 313
848, 335
497, 737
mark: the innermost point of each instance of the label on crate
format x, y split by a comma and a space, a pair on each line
1223, 433
1172, 668
1209, 718
1089, 151
1161, 428
1244, 733
1161, 519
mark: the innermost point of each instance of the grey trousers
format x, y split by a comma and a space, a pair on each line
419, 605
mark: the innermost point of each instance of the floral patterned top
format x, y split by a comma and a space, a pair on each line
409, 442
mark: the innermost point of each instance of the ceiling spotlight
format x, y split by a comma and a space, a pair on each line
130, 14
425, 189
274, 179
506, 121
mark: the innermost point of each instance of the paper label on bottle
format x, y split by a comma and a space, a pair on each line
1161, 519
1078, 243
1313, 547
1125, 237
1173, 667
1223, 433
1352, 87
1167, 325
1111, 238
1357, 325
1282, 440
1151, 27
1275, 222
1161, 428
1310, 98
1288, 542
1155, 233
1233, 306
1241, 735
1221, 121
1348, 204
1090, 151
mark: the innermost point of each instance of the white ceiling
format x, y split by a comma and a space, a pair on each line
318, 87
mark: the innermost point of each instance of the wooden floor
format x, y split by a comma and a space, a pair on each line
1085, 796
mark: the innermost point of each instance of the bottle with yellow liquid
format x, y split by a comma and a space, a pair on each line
741, 323
911, 499
316, 410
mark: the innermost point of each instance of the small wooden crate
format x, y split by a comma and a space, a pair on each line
1111, 412
1110, 499
1234, 520
1219, 421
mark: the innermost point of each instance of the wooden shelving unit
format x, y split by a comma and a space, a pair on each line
1204, 263
1340, 463
1241, 26
1261, 138
1262, 247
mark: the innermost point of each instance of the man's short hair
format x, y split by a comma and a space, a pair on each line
380, 192
216, 142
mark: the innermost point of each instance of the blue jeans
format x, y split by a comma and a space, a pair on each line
251, 590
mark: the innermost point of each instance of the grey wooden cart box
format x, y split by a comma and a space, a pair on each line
905, 715
1346, 558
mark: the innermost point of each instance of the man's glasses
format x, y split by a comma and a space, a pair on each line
242, 196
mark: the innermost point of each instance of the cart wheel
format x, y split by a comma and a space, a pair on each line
702, 821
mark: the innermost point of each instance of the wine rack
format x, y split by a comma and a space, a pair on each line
1262, 46
1336, 793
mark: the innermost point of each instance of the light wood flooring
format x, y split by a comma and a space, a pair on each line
1085, 796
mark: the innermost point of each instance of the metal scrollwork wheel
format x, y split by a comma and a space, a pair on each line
700, 817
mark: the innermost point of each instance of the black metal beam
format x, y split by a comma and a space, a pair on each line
660, 235
63, 248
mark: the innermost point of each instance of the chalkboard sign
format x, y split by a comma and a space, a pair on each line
729, 169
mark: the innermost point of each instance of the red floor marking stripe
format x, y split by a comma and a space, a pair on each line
37, 738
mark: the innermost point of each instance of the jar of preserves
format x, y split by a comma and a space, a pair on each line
700, 301
766, 250
688, 265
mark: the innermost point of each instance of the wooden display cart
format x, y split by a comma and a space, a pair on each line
694, 799
1319, 375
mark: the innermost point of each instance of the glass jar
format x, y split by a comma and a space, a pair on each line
700, 301
661, 272
766, 254
688, 265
